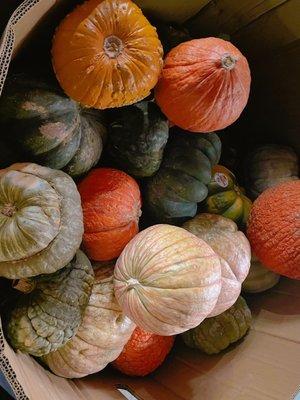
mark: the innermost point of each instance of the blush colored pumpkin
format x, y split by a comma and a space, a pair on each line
106, 54
41, 223
111, 204
167, 280
204, 86
274, 227
233, 248
101, 336
143, 353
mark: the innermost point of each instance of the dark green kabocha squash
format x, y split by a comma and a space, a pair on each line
42, 125
50, 315
172, 195
215, 334
171, 34
137, 137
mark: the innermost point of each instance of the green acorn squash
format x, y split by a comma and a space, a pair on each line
181, 183
215, 334
51, 314
42, 125
137, 137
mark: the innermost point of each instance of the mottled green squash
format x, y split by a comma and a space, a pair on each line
49, 316
137, 137
44, 126
215, 334
173, 193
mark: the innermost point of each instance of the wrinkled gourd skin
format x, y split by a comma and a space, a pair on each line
259, 278
101, 336
137, 137
47, 318
41, 222
44, 126
215, 334
226, 198
172, 195
233, 248
268, 166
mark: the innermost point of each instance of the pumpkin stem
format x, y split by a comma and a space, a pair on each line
132, 282
228, 61
24, 285
113, 46
8, 210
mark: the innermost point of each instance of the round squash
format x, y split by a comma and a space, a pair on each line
137, 138
41, 223
226, 198
143, 353
172, 195
101, 336
48, 317
111, 203
269, 165
41, 125
106, 54
215, 334
233, 248
167, 280
204, 85
259, 278
274, 226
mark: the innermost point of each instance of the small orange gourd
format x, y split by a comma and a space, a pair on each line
106, 54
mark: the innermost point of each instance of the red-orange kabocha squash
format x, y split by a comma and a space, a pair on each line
111, 204
205, 85
106, 54
274, 228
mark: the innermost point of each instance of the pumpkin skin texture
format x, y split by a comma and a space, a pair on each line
204, 85
173, 193
167, 280
45, 127
137, 137
269, 165
215, 334
106, 54
101, 336
274, 226
259, 278
41, 222
48, 317
226, 198
233, 248
111, 204
143, 353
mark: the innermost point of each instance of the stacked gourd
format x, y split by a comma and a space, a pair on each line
184, 273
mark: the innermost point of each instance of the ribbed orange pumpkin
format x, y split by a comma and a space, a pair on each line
204, 86
106, 54
111, 209
143, 353
274, 228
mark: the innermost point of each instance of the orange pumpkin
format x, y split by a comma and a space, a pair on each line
143, 353
204, 86
111, 209
274, 228
106, 54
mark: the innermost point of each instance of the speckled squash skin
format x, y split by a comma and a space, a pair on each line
233, 248
217, 333
167, 280
41, 222
143, 353
44, 126
274, 226
137, 137
101, 336
47, 318
173, 193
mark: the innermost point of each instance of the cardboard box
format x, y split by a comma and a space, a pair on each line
265, 365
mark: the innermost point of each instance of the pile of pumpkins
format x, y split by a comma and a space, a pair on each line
125, 294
